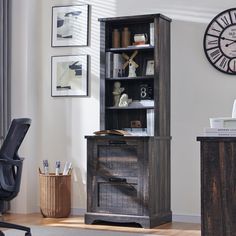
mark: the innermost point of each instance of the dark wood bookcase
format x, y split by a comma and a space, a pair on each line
128, 177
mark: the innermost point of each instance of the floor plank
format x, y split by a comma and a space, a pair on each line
173, 229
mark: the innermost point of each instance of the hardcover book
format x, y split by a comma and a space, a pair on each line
112, 132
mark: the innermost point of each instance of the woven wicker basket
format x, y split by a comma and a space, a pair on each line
55, 195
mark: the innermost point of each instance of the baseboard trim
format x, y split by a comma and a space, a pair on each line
175, 217
78, 211
187, 218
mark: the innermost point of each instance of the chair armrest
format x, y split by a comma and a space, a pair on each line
11, 162
4, 160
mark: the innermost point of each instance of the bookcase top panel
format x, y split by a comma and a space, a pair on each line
148, 17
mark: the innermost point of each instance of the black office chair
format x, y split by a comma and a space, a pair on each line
11, 166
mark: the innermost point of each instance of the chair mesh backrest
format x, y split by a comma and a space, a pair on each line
15, 136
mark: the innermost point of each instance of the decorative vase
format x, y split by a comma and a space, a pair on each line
115, 38
125, 37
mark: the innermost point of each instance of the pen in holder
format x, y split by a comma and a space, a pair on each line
67, 168
58, 166
45, 167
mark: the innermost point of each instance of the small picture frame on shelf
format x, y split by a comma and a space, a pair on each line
70, 25
69, 76
149, 67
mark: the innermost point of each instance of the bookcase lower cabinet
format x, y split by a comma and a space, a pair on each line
128, 180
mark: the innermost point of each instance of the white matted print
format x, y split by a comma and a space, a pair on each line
70, 25
70, 75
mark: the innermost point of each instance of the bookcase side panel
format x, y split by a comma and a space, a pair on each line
103, 34
159, 178
162, 57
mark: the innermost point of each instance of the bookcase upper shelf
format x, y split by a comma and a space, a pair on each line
131, 48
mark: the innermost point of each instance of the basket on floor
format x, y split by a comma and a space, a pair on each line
55, 195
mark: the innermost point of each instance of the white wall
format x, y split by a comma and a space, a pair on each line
198, 92
59, 124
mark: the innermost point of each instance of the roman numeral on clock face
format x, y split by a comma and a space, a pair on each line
213, 42
215, 29
232, 65
224, 20
214, 54
223, 62
233, 16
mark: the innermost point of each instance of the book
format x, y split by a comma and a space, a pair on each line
137, 131
118, 62
112, 132
220, 132
152, 33
142, 103
109, 64
139, 46
150, 122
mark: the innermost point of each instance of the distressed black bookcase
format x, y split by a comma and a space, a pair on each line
128, 177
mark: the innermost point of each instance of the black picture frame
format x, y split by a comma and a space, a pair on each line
69, 76
70, 26
146, 62
150, 64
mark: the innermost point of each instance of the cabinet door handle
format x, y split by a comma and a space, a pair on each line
117, 142
117, 180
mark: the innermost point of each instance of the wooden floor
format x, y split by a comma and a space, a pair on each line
173, 229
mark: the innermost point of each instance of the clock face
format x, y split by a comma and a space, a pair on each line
220, 41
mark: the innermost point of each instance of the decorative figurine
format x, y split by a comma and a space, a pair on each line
132, 70
124, 100
131, 63
117, 90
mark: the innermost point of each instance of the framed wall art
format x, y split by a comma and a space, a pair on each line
70, 25
69, 76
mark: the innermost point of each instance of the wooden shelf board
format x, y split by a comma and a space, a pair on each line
132, 48
145, 77
130, 108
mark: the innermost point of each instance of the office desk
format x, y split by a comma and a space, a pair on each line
218, 186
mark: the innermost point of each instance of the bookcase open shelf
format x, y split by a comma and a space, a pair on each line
128, 177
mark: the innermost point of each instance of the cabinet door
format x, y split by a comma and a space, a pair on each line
117, 183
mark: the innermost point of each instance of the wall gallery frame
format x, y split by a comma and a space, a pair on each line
69, 76
70, 25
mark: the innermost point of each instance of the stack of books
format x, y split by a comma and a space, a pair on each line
114, 65
137, 131
220, 132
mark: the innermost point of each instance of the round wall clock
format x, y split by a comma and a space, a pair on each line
220, 42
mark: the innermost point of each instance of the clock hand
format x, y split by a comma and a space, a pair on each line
227, 39
226, 45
